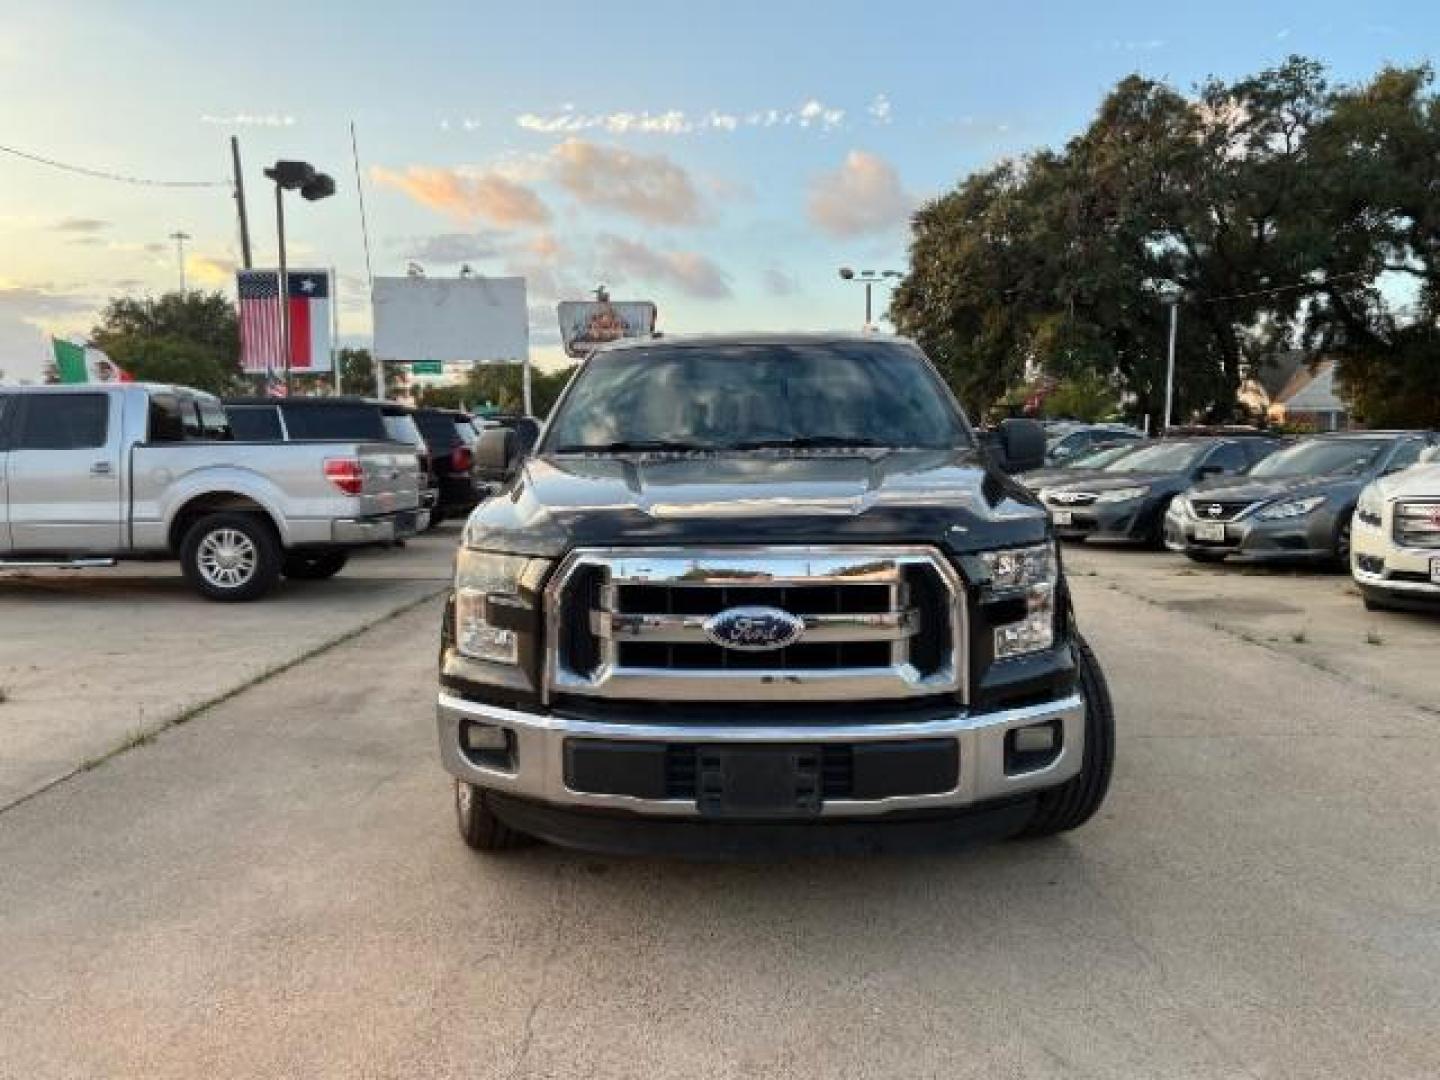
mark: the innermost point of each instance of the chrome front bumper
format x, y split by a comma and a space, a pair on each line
539, 753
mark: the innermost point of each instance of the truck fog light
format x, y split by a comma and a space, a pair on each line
1036, 739
1035, 746
482, 737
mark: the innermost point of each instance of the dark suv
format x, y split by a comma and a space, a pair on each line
452, 437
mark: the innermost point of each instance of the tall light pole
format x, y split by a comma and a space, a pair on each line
180, 237
313, 185
869, 278
1172, 300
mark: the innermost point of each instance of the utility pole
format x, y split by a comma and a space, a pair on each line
180, 237
284, 285
240, 202
1174, 301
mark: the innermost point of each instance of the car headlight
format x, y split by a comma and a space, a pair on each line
1371, 508
1032, 572
488, 587
1290, 508
1119, 495
1180, 507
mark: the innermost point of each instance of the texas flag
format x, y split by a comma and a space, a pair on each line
309, 298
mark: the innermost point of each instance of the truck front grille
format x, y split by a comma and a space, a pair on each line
1417, 524
633, 624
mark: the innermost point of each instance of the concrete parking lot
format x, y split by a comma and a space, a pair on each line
92, 660
275, 888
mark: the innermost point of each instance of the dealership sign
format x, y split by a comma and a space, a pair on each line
584, 324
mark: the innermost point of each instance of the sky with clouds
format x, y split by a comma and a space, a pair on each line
722, 159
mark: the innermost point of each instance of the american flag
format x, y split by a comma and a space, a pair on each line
260, 330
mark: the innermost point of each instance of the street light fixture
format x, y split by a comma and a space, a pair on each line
869, 278
313, 185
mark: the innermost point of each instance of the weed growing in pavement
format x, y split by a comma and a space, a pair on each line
1372, 637
4, 695
1299, 637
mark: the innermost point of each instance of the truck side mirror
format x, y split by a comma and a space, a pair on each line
498, 454
1021, 446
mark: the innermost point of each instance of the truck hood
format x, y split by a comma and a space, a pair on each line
940, 497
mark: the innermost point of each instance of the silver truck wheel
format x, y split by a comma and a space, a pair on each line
231, 557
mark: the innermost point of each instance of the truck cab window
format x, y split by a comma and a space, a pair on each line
64, 422
167, 424
257, 423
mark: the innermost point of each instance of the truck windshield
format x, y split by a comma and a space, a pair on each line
755, 396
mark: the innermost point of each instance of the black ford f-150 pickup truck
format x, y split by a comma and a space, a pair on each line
763, 593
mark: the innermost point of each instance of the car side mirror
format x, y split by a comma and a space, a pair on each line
1206, 471
498, 455
1021, 445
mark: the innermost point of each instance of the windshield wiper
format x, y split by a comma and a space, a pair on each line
810, 442
632, 446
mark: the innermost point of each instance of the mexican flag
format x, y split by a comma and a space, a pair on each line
82, 364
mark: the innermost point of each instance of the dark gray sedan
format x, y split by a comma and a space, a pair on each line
1294, 505
1127, 499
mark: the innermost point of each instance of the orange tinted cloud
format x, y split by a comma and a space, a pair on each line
863, 195
488, 195
647, 187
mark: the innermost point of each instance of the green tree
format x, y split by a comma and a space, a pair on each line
500, 387
190, 338
1058, 264
1376, 305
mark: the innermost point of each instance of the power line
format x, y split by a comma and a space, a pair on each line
1287, 288
102, 174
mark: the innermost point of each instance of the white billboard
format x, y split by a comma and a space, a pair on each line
584, 324
476, 320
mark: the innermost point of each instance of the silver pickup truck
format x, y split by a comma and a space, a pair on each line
93, 474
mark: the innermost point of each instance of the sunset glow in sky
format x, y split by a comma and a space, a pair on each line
721, 159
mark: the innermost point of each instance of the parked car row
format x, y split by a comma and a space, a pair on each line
1366, 500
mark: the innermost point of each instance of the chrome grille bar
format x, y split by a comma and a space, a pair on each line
886, 626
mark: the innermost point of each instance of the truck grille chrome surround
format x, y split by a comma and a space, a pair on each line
878, 623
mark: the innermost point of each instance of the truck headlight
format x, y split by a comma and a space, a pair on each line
1371, 508
1119, 495
486, 586
1290, 508
1032, 573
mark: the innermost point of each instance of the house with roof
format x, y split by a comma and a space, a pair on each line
1310, 397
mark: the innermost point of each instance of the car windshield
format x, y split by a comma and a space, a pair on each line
1096, 459
755, 396
1160, 457
1322, 457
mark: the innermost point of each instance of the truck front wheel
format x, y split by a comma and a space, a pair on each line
479, 826
231, 556
1074, 802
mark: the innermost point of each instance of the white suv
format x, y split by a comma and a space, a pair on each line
1395, 546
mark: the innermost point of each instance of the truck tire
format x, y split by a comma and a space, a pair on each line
314, 566
479, 827
1074, 802
231, 557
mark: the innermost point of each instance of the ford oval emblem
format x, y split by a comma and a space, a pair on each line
754, 629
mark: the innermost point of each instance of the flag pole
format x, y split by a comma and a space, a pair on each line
335, 333
284, 284
375, 361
